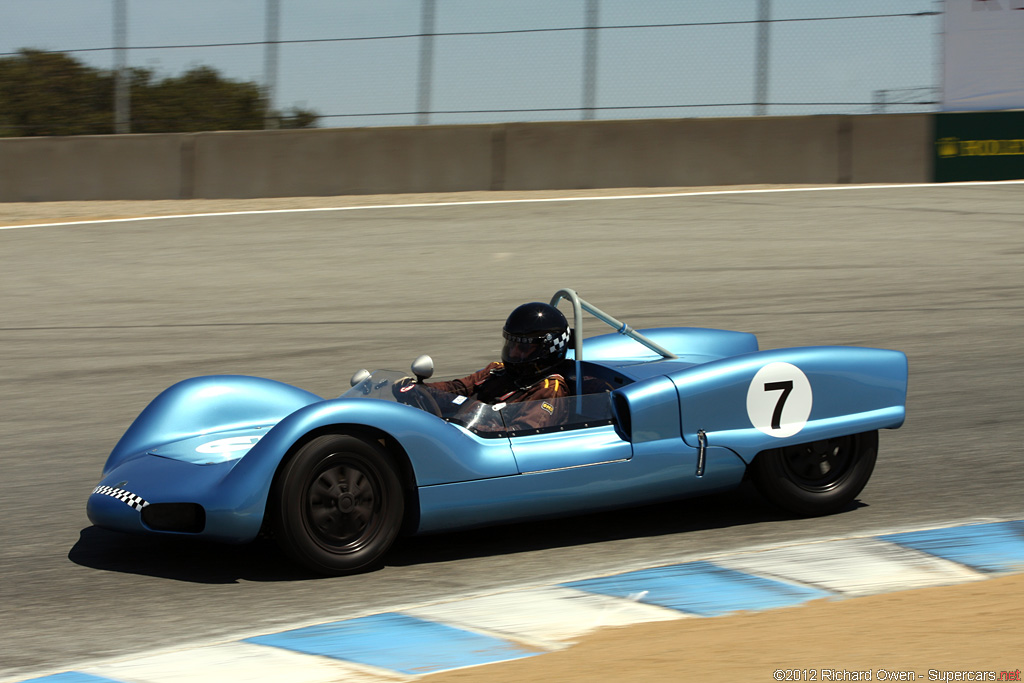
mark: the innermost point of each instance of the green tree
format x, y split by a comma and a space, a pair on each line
197, 100
47, 93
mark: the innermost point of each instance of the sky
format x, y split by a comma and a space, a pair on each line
658, 72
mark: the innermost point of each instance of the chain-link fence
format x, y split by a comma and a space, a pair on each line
402, 62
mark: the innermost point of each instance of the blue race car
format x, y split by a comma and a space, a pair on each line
653, 415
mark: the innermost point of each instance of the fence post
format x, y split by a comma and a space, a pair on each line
764, 11
122, 94
270, 62
590, 60
427, 31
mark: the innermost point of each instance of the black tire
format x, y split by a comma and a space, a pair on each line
816, 478
339, 504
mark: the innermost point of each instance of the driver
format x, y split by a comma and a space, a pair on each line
536, 340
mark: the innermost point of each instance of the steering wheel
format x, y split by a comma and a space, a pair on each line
415, 395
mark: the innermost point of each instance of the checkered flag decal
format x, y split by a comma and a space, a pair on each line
559, 343
127, 497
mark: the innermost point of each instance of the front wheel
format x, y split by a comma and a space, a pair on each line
339, 504
816, 478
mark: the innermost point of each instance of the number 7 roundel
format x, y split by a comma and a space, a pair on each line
779, 400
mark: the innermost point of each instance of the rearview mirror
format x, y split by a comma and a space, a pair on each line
423, 367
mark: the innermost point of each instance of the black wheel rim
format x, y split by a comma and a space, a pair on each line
820, 465
342, 504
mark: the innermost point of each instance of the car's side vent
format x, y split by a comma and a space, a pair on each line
185, 518
623, 420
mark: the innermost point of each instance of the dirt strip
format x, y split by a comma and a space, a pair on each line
27, 213
930, 633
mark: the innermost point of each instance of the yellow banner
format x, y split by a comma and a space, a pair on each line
955, 147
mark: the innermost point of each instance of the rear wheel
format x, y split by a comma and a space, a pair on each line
816, 478
339, 504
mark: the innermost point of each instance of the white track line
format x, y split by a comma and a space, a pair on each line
481, 202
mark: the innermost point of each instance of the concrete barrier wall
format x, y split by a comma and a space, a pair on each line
517, 156
669, 153
343, 161
892, 148
91, 167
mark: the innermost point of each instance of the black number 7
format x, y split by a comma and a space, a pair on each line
785, 387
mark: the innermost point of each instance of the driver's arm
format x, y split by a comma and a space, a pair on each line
465, 386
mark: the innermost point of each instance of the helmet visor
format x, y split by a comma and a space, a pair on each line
519, 350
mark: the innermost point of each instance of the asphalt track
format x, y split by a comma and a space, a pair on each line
99, 318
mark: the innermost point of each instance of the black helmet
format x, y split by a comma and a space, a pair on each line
536, 339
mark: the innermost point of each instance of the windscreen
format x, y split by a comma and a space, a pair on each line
480, 418
483, 419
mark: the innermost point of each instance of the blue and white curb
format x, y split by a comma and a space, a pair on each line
404, 645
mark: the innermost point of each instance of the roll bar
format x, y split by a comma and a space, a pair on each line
578, 306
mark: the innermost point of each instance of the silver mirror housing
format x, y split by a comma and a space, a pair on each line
359, 377
423, 367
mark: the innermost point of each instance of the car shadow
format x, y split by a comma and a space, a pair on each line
193, 560
736, 508
183, 559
